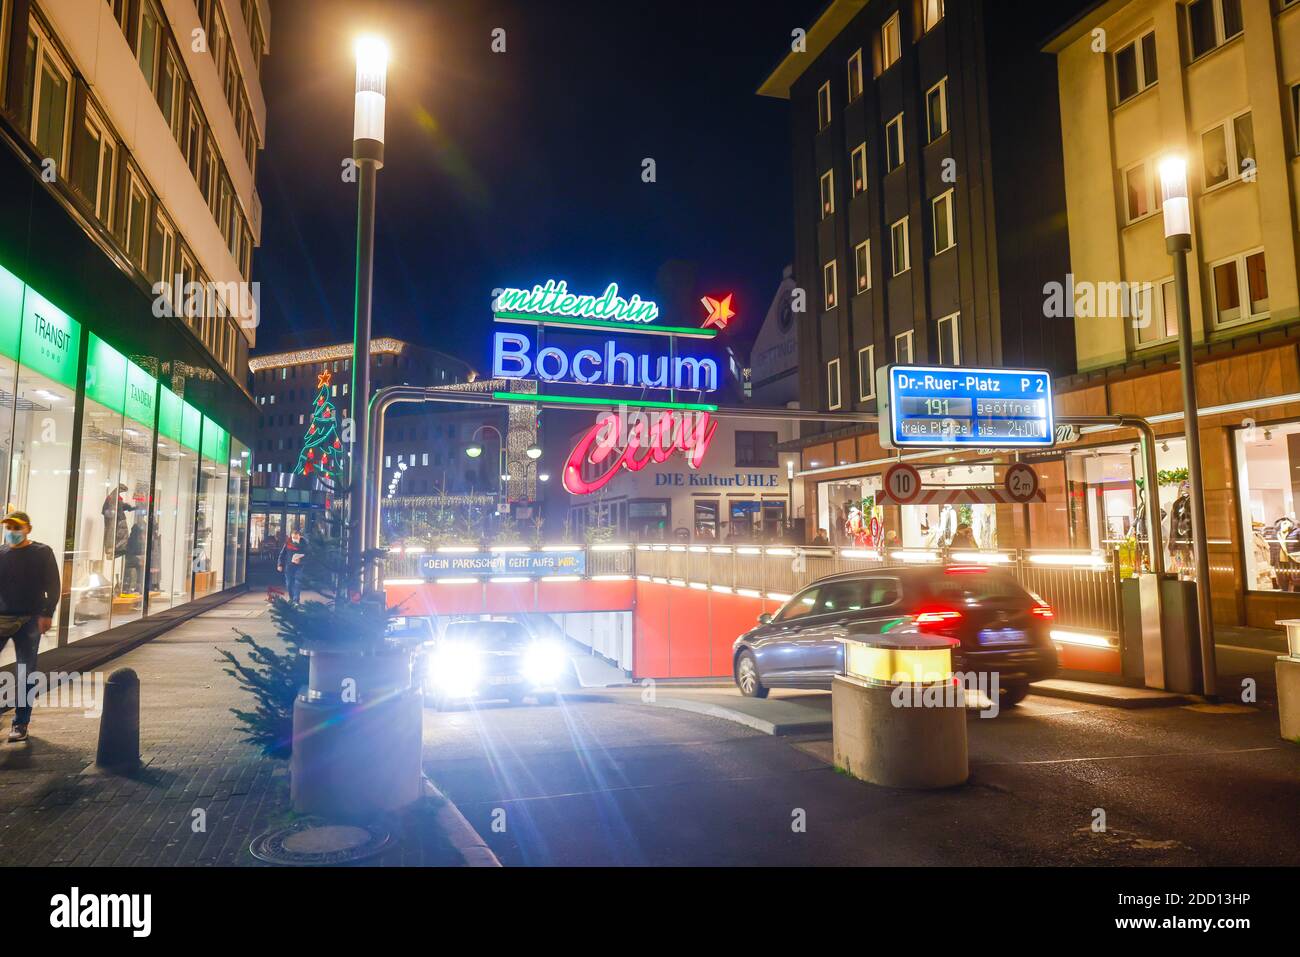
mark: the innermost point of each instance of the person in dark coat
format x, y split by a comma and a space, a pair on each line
29, 593
291, 559
135, 542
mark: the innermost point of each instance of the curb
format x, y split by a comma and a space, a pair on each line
739, 717
1128, 702
459, 831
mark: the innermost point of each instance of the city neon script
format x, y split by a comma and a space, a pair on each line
553, 300
513, 358
649, 438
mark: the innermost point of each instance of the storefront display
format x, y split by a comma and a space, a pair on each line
1268, 468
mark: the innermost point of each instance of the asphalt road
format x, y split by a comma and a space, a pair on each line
603, 779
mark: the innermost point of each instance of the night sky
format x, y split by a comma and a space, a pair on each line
510, 168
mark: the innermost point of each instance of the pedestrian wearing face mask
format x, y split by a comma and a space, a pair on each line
29, 593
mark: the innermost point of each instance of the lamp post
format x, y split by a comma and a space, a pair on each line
1178, 241
474, 450
789, 517
368, 154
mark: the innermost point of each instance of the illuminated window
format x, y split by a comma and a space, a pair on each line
891, 49
900, 252
858, 168
833, 384
931, 13
1141, 191
1240, 288
1211, 23
903, 348
830, 276
855, 76
47, 98
945, 235
93, 165
862, 265
1135, 67
824, 106
828, 192
867, 373
137, 212
936, 110
1155, 316
894, 143
948, 345
1228, 151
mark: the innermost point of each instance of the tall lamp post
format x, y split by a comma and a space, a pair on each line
1178, 241
368, 154
474, 450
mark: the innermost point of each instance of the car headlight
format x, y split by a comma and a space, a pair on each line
543, 663
456, 669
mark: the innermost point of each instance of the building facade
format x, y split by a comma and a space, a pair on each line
126, 314
424, 465
928, 195
1216, 82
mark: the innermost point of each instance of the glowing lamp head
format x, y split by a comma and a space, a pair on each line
534, 452
372, 82
1173, 194
474, 451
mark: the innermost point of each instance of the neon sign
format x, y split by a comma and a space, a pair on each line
719, 311
605, 450
554, 300
513, 358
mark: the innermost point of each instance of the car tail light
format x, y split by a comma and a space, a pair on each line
1043, 610
937, 619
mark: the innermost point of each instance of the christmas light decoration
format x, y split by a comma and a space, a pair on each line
322, 449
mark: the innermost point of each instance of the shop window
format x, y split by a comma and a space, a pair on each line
1268, 463
894, 143
848, 514
756, 449
858, 167
936, 110
827, 188
824, 105
941, 216
1228, 151
208, 562
1211, 23
900, 252
855, 76
237, 513
1240, 289
47, 97
867, 373
1135, 67
947, 340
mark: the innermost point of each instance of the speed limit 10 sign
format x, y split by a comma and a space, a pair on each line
1021, 482
902, 483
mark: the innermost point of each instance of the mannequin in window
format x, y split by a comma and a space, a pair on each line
947, 525
1180, 530
1264, 579
133, 576
114, 511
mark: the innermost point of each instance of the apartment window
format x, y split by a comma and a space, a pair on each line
148, 43
824, 106
1240, 288
185, 273
1135, 67
162, 246
1295, 114
93, 165
1156, 315
828, 192
862, 265
219, 35
936, 110
949, 348
894, 143
194, 142
1141, 191
855, 76
866, 373
170, 94
208, 175
47, 100
756, 448
834, 399
900, 253
945, 235
1228, 151
891, 43
1211, 23
903, 348
137, 211
931, 14
830, 274
858, 168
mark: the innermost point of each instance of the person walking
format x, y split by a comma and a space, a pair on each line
290, 562
29, 593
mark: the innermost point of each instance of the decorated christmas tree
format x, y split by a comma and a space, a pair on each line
322, 450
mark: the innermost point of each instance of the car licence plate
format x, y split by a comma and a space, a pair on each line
1002, 636
502, 680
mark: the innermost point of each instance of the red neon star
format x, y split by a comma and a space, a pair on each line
719, 311
323, 380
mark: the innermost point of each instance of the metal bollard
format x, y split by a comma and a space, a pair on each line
119, 725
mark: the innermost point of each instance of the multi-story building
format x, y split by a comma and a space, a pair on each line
1216, 83
424, 458
929, 214
130, 132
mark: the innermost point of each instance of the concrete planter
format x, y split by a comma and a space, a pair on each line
356, 676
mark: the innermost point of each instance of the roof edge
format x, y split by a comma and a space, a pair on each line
825, 29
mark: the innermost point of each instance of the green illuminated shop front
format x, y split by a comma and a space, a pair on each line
143, 495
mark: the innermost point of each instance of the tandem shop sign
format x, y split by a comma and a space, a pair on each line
951, 407
489, 564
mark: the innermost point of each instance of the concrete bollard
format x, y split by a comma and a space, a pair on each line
119, 724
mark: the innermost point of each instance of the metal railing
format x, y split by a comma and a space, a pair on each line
1083, 588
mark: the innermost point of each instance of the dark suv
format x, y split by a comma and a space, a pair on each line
1002, 627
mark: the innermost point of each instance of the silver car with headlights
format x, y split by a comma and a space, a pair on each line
484, 659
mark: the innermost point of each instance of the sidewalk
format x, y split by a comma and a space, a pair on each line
196, 769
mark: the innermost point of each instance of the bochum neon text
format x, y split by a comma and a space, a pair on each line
512, 359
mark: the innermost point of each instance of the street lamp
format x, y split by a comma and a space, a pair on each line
475, 449
368, 154
1178, 242
534, 452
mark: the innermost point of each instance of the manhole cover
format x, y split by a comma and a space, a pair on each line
313, 842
